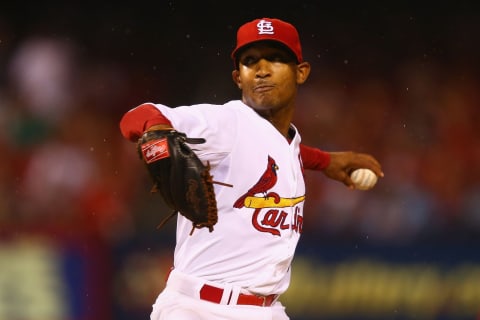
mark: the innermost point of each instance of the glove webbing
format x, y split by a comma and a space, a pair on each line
211, 215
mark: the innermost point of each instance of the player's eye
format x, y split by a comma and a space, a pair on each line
276, 58
249, 60
280, 57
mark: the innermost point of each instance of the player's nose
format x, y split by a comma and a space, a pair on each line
262, 68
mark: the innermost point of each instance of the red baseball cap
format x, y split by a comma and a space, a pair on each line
269, 29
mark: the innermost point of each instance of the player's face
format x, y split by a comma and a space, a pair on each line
268, 77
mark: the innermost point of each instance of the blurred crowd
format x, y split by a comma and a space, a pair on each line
422, 126
65, 164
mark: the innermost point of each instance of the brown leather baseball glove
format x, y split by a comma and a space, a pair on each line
182, 180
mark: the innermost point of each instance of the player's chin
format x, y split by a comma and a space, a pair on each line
263, 102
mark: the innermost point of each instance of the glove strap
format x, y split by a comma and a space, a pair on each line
195, 140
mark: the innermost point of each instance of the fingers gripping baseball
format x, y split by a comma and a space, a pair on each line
344, 164
363, 179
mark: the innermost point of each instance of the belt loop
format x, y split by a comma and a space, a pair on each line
227, 294
234, 295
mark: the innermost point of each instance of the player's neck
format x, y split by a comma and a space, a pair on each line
282, 126
280, 119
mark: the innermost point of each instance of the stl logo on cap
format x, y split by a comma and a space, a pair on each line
265, 27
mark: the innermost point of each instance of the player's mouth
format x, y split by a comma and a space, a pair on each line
261, 88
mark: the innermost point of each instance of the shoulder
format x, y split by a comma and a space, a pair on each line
232, 104
229, 111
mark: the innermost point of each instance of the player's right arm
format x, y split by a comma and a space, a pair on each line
338, 165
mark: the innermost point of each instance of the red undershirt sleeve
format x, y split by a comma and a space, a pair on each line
137, 120
314, 158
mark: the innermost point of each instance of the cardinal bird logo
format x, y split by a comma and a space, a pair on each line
265, 183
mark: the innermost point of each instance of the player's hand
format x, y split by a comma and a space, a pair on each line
343, 163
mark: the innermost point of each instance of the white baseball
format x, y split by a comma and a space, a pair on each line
363, 179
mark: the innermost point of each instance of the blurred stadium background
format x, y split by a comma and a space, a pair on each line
77, 223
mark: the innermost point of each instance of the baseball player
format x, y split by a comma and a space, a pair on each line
239, 270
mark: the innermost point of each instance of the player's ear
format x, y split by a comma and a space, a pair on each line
236, 78
303, 71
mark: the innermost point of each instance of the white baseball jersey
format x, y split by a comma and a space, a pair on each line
260, 218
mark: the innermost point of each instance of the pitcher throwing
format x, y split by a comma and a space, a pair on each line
239, 269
